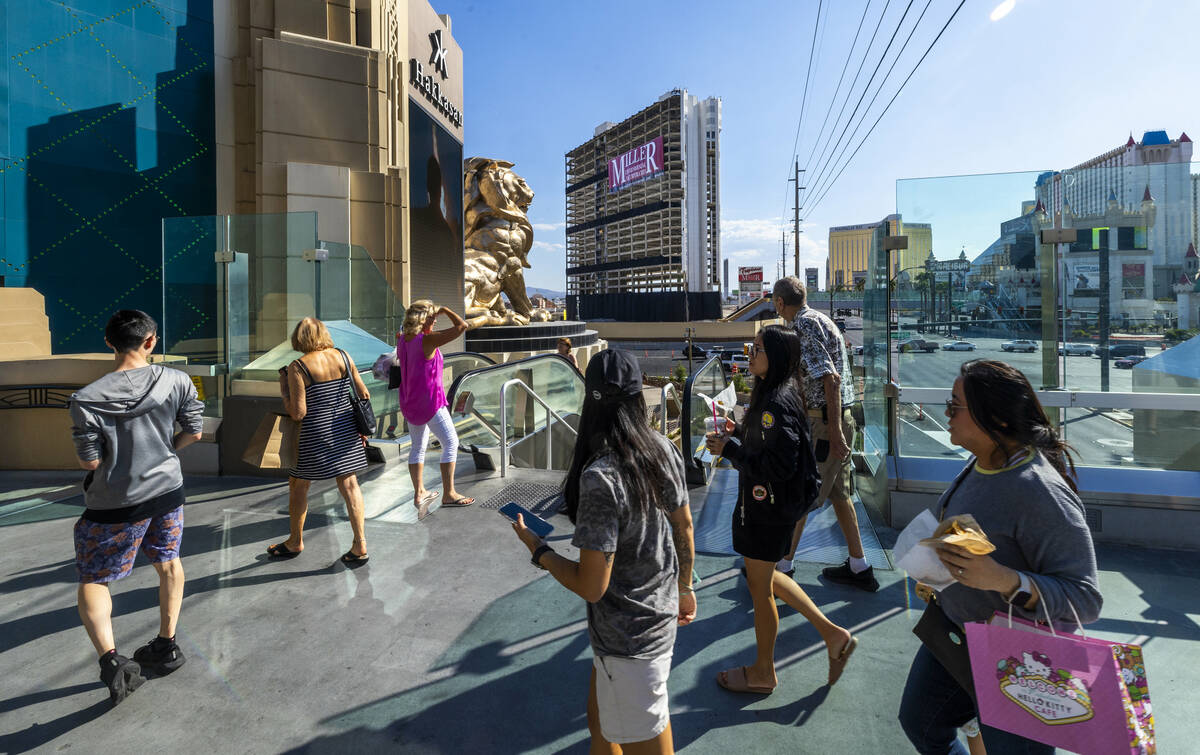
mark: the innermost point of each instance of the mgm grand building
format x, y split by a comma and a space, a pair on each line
643, 215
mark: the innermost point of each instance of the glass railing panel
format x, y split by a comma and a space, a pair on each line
705, 386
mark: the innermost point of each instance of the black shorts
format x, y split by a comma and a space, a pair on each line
769, 542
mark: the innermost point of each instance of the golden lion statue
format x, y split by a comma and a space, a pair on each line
498, 239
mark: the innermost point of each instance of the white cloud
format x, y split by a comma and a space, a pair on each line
548, 246
549, 227
747, 242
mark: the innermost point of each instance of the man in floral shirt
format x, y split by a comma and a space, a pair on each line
828, 395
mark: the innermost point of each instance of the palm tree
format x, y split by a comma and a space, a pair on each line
921, 281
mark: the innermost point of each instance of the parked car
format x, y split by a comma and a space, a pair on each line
1127, 363
1076, 349
1020, 344
844, 312
917, 344
1123, 350
958, 346
696, 352
740, 361
841, 323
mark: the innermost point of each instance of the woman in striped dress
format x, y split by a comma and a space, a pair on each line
316, 392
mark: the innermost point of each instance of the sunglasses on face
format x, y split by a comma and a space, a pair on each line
952, 407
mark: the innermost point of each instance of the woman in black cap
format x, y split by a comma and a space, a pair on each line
777, 484
626, 495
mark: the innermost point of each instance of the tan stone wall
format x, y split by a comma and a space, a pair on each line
326, 83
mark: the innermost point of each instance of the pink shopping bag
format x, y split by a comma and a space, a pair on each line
1081, 694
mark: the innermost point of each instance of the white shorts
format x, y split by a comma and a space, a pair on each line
631, 694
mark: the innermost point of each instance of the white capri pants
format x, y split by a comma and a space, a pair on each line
443, 429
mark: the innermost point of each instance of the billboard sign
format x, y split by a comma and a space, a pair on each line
810, 278
638, 164
750, 275
1084, 279
1133, 280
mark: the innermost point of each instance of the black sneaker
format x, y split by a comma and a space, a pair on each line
160, 656
844, 575
121, 675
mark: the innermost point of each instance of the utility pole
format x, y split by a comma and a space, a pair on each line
796, 217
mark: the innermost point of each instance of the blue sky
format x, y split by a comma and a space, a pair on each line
1048, 85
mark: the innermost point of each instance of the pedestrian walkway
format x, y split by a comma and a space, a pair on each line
448, 641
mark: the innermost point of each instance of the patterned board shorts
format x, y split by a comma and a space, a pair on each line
105, 552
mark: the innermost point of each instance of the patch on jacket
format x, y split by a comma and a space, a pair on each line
768, 420
759, 492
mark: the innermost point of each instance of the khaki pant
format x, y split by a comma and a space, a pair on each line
835, 473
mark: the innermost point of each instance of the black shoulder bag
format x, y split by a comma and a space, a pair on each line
364, 413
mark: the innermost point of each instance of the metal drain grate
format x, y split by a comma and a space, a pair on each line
543, 500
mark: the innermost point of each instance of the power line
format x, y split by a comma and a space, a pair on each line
796, 141
825, 165
838, 88
889, 105
882, 83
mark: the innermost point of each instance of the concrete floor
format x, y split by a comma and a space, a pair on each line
448, 641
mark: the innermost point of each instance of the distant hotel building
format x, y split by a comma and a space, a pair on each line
1156, 163
643, 215
850, 249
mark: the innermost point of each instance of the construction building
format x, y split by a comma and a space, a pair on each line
643, 215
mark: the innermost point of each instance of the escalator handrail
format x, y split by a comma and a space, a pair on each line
495, 366
475, 354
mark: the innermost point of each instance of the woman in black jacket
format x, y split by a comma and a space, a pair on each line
777, 485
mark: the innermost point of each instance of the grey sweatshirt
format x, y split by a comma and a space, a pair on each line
127, 420
1036, 523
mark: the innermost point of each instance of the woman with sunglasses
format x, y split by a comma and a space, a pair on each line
1019, 485
778, 483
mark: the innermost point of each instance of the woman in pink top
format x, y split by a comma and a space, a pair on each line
423, 398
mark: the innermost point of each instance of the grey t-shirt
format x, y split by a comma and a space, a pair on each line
1036, 523
636, 617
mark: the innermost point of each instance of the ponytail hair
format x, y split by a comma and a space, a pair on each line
1005, 406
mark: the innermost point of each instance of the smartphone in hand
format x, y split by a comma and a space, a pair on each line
535, 523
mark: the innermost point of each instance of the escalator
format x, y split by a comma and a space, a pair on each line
537, 434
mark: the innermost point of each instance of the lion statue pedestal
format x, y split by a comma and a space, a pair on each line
508, 343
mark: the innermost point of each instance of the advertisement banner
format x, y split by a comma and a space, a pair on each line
638, 164
810, 278
1133, 280
1084, 279
750, 275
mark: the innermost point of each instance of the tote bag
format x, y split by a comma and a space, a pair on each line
1081, 694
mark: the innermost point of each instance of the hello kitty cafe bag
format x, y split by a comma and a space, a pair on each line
1070, 691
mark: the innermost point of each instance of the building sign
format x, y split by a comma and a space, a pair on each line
638, 164
750, 283
810, 278
859, 278
750, 275
948, 266
430, 73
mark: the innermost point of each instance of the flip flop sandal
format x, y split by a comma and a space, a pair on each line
838, 665
281, 551
725, 680
458, 502
350, 558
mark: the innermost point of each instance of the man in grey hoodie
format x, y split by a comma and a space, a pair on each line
124, 430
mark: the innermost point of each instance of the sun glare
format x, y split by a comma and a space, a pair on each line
1002, 10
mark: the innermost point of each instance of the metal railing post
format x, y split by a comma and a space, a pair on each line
503, 433
550, 415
